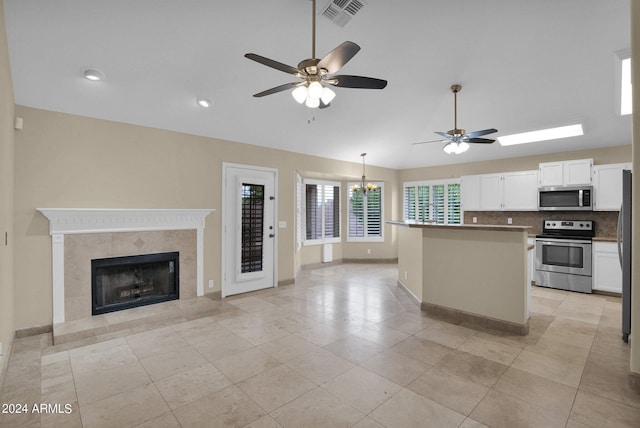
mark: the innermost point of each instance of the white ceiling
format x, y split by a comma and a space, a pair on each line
523, 64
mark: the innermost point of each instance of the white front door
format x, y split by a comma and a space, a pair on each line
249, 243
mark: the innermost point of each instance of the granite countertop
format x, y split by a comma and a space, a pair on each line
605, 239
508, 228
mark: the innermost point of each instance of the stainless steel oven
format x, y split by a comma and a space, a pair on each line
564, 255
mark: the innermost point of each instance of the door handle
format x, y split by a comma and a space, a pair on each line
272, 235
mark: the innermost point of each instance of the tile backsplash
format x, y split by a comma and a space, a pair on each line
606, 221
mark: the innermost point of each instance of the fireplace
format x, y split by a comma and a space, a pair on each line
119, 283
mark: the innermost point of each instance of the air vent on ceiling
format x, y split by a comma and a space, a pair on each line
341, 11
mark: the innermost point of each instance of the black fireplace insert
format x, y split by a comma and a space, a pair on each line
119, 283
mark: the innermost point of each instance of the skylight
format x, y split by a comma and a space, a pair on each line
625, 87
541, 135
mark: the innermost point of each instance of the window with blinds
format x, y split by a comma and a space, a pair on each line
366, 215
433, 201
322, 212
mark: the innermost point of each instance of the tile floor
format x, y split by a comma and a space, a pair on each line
344, 346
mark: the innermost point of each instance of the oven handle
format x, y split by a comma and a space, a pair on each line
562, 241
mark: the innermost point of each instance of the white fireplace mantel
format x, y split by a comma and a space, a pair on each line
63, 221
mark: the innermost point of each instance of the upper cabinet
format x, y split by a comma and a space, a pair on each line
470, 192
566, 173
491, 191
607, 186
521, 191
511, 191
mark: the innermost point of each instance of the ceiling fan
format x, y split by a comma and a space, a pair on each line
458, 140
316, 73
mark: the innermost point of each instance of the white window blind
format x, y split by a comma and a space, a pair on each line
366, 214
433, 201
322, 212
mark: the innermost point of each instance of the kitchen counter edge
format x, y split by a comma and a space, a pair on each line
461, 226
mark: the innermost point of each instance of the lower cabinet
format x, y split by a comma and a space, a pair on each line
607, 274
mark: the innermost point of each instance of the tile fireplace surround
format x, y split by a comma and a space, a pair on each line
79, 235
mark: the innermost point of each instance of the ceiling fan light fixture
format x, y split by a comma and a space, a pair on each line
300, 94
455, 148
315, 89
327, 95
312, 102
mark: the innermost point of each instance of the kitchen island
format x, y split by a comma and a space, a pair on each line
473, 273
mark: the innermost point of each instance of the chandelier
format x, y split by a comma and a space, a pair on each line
362, 187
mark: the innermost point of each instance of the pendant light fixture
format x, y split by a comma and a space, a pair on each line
362, 187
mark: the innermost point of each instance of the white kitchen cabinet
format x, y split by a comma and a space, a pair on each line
566, 173
520, 191
491, 192
607, 274
510, 191
607, 186
551, 174
470, 192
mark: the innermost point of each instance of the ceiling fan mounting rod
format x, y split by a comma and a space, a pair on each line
313, 29
455, 131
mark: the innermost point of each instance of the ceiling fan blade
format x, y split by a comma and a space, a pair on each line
360, 82
337, 58
480, 140
323, 105
479, 133
444, 134
273, 64
427, 142
276, 89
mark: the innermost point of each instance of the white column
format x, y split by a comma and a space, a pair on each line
200, 260
57, 259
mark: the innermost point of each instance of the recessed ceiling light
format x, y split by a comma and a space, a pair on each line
204, 102
93, 74
541, 135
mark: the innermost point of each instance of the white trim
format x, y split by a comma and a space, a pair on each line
66, 221
225, 167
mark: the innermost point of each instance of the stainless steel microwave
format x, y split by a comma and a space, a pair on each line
565, 198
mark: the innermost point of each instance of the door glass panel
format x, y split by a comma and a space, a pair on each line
252, 227
562, 255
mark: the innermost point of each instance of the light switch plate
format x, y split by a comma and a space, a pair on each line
282, 224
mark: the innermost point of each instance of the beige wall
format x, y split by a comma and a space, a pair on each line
6, 195
618, 154
410, 259
67, 161
635, 285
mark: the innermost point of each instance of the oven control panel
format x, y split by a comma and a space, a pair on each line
570, 225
